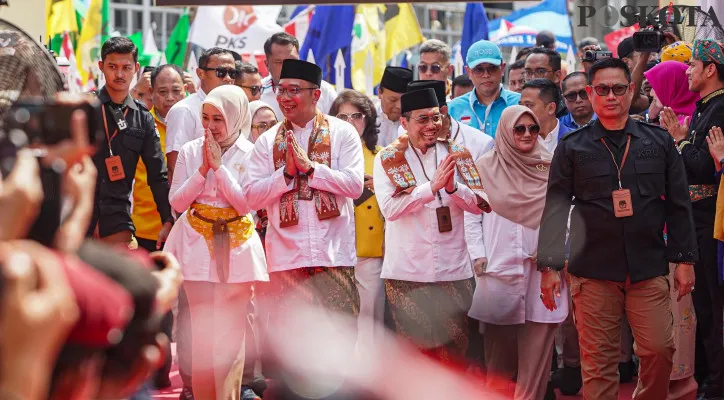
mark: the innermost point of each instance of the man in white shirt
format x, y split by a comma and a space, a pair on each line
305, 172
542, 97
428, 276
279, 47
183, 122
392, 86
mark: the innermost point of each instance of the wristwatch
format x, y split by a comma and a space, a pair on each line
288, 175
454, 190
309, 172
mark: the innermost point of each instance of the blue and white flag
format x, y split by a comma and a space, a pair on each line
519, 28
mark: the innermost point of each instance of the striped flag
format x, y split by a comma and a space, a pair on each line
75, 82
299, 25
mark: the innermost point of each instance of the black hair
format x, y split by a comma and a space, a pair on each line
246, 68
461, 80
608, 63
571, 76
366, 107
554, 58
549, 91
158, 70
207, 54
281, 39
719, 70
545, 38
119, 45
523, 53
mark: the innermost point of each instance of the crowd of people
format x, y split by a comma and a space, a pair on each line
545, 229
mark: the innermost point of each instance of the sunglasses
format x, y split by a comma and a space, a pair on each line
263, 126
485, 69
520, 129
351, 117
425, 119
222, 72
254, 89
618, 90
573, 95
434, 68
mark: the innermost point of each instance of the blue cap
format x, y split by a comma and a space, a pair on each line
483, 51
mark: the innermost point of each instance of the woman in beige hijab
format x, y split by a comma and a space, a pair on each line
518, 328
216, 242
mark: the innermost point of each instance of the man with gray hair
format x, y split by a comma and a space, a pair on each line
435, 65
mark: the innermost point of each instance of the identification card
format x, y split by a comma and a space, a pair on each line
114, 166
305, 192
622, 206
444, 220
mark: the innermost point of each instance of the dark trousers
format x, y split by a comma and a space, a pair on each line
708, 297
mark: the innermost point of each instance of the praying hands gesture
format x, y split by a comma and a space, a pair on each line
211, 154
444, 176
670, 122
716, 146
294, 151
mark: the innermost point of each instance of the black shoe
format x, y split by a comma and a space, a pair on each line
186, 394
568, 380
550, 393
626, 371
248, 393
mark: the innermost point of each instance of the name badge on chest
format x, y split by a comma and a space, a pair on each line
622, 206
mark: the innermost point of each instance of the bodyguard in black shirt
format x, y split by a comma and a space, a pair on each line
618, 256
706, 76
130, 134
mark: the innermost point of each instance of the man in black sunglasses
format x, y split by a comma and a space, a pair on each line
580, 109
629, 181
249, 80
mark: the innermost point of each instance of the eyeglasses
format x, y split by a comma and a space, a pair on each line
263, 126
618, 90
222, 72
520, 129
425, 119
573, 95
537, 73
351, 117
292, 91
479, 70
254, 89
434, 68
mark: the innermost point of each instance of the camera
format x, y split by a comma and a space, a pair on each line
593, 55
651, 38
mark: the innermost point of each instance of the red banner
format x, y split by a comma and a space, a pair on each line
614, 38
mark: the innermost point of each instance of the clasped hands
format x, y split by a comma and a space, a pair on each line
297, 160
444, 175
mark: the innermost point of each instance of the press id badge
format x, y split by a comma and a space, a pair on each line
622, 206
114, 166
444, 220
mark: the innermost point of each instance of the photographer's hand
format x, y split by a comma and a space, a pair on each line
20, 197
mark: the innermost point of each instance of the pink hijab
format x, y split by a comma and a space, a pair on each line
515, 182
669, 81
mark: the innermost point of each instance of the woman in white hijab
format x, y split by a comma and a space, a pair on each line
262, 119
215, 241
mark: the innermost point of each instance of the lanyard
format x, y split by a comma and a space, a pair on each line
439, 197
457, 131
623, 160
105, 126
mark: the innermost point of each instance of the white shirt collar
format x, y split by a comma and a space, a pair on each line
200, 92
309, 125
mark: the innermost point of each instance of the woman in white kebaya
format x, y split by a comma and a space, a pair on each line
518, 328
216, 242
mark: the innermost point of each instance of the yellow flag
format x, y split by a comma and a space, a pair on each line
60, 17
402, 29
368, 47
89, 43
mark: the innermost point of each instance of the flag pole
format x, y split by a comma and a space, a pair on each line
192, 17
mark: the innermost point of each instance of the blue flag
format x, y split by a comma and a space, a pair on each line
298, 10
329, 31
475, 26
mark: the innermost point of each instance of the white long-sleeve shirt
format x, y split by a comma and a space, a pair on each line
329, 94
389, 130
508, 293
311, 243
417, 250
183, 122
220, 188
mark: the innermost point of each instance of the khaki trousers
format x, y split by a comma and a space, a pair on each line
218, 322
526, 349
599, 307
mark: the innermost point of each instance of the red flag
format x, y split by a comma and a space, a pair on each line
614, 38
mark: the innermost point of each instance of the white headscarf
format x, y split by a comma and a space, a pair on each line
257, 105
231, 101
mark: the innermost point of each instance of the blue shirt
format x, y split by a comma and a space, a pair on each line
570, 123
468, 110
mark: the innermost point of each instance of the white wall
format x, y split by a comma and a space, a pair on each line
29, 15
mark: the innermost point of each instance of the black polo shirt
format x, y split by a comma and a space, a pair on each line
139, 140
603, 246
